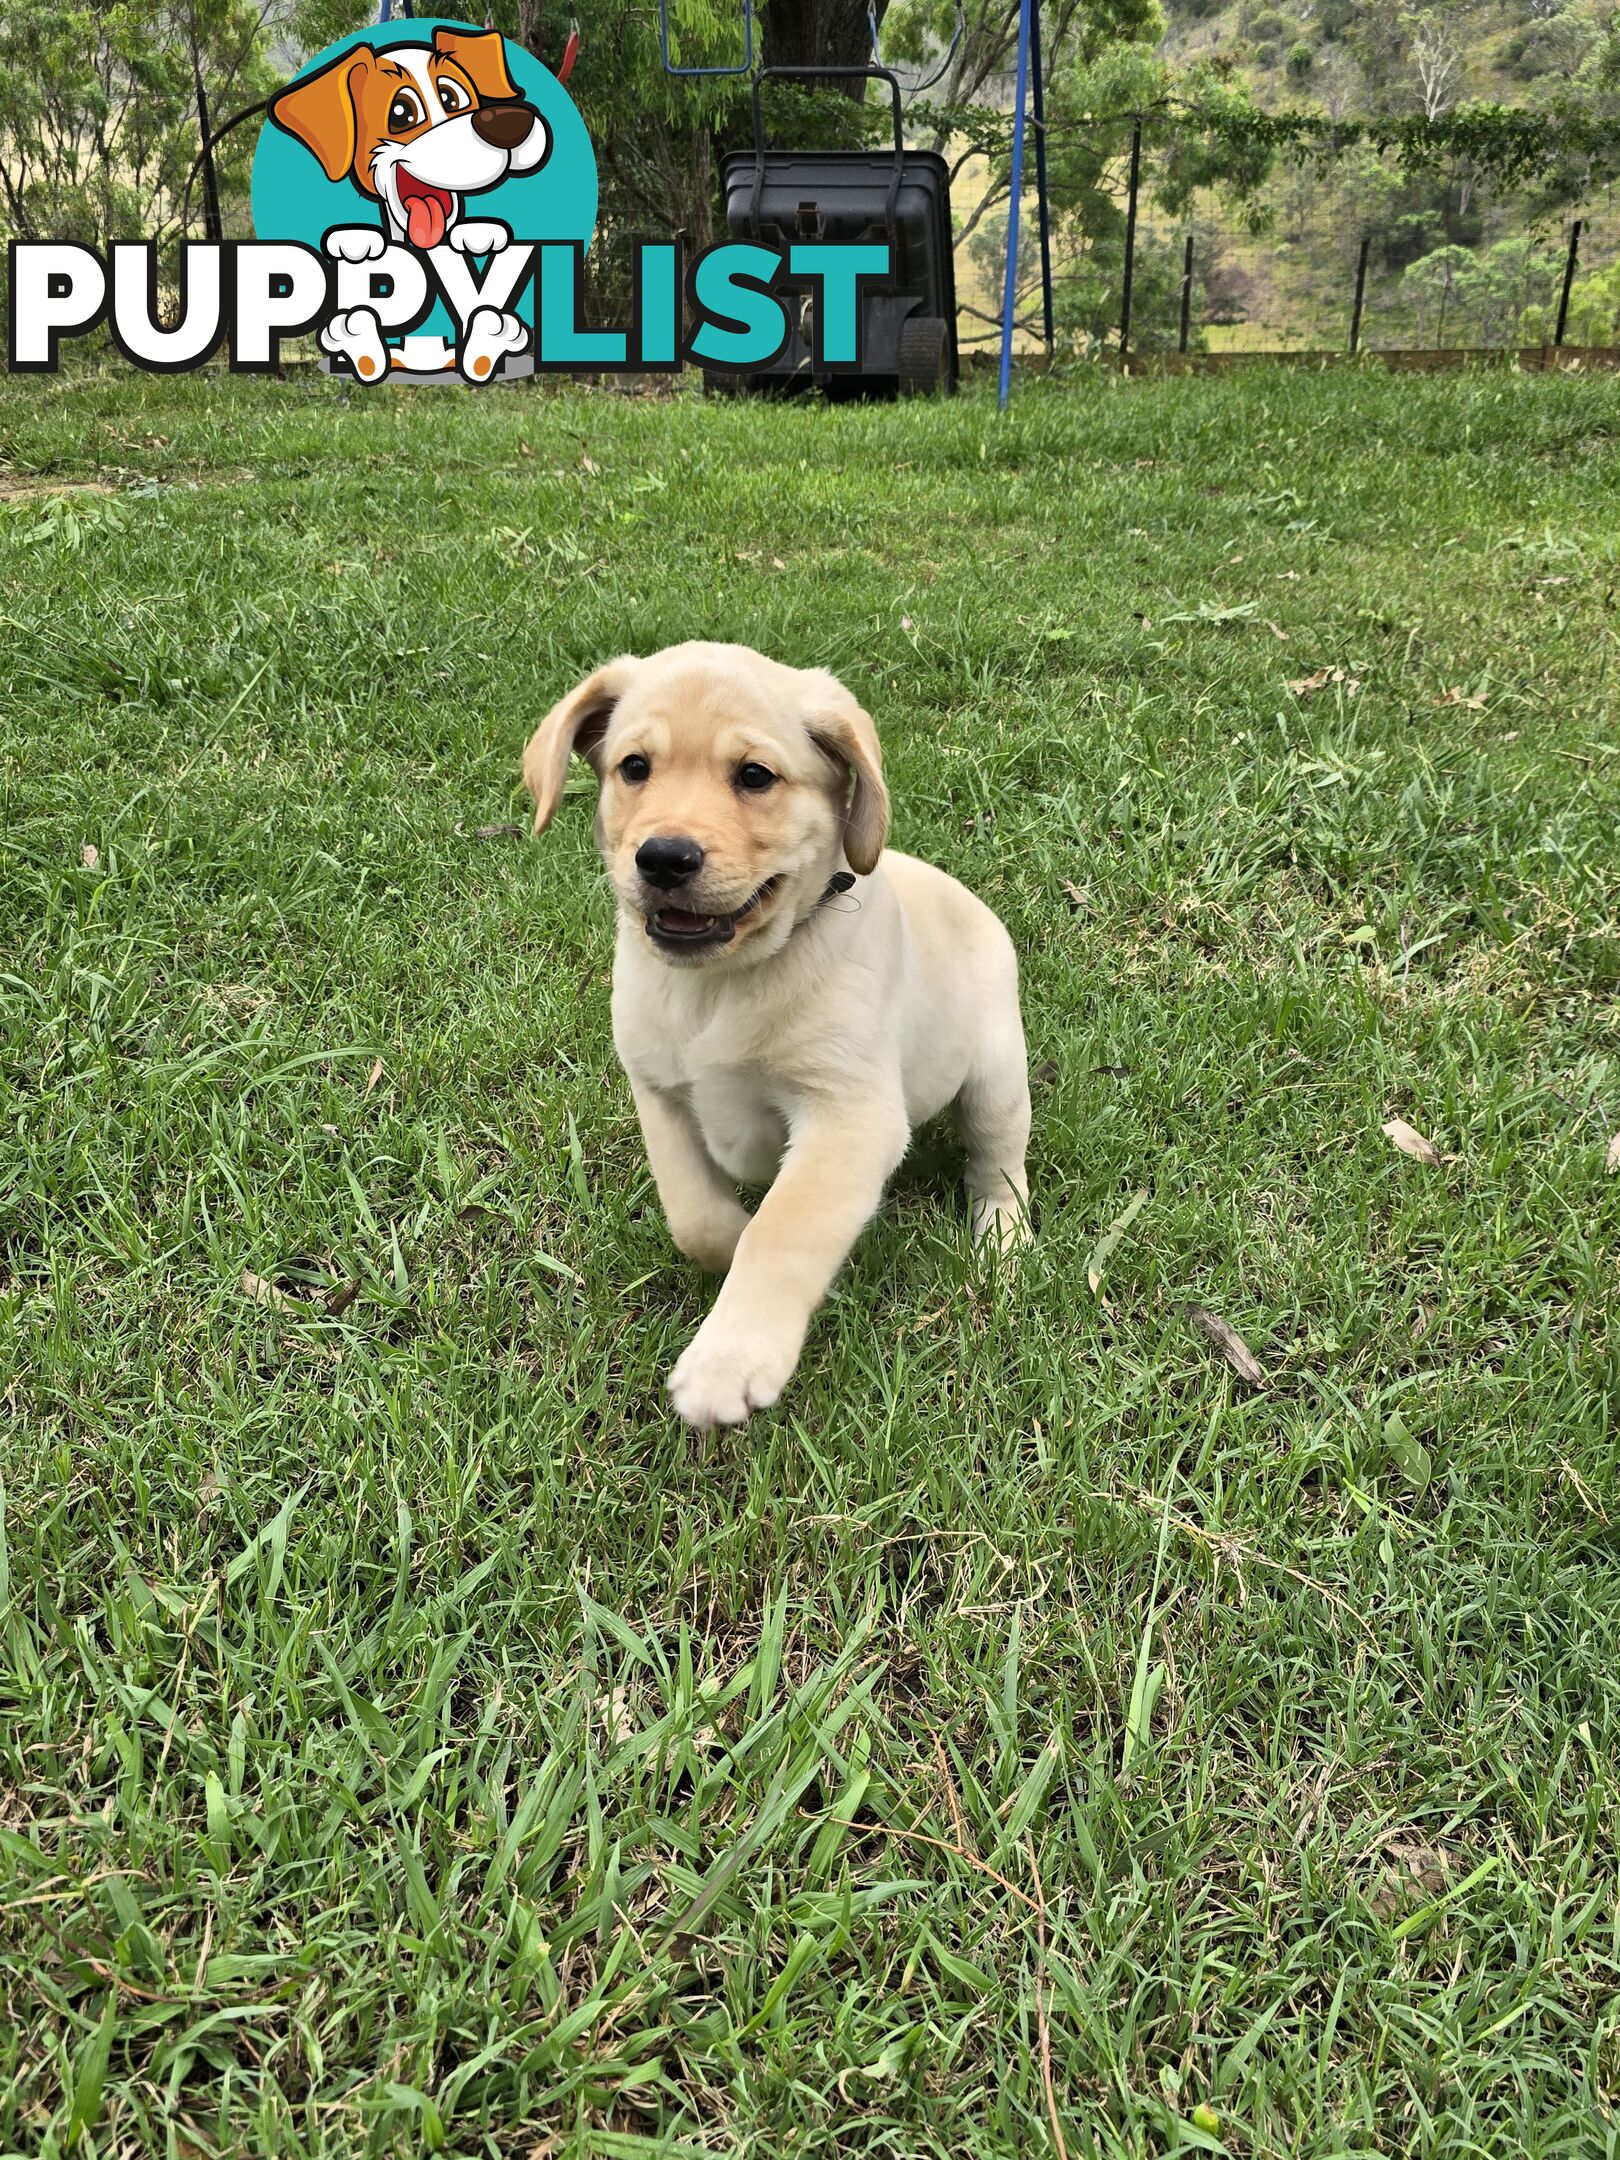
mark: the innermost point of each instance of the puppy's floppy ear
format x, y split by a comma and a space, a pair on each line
320, 110
481, 54
578, 723
844, 730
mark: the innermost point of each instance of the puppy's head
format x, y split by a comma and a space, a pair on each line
731, 790
417, 126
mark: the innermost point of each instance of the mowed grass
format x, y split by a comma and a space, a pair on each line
1031, 1737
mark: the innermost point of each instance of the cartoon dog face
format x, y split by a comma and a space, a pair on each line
417, 127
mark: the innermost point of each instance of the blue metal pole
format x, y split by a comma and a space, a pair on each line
1010, 289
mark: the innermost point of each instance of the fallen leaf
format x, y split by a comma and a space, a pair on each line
1455, 696
1076, 897
1305, 684
1410, 1457
588, 464
1229, 1343
339, 1300
1411, 1142
1280, 635
1611, 1161
507, 831
1111, 1236
376, 1074
1417, 1873
777, 563
616, 1718
90, 855
264, 1292
906, 623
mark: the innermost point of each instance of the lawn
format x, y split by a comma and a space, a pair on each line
1034, 1736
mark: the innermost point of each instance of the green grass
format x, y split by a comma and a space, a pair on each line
410, 1738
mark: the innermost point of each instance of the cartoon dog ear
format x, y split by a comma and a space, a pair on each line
843, 728
578, 723
320, 110
481, 55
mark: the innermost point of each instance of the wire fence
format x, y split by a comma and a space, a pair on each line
1332, 255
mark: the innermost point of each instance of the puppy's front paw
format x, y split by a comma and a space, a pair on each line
1001, 1228
355, 243
720, 1377
479, 236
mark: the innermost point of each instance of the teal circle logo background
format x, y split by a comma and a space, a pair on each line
293, 199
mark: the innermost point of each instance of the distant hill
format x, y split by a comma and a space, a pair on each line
1450, 261
1342, 56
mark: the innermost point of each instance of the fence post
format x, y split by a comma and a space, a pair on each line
213, 222
1569, 279
1361, 289
1130, 241
1037, 86
1186, 292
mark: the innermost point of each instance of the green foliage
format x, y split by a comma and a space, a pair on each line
98, 112
1594, 310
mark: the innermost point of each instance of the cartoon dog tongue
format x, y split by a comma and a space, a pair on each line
425, 220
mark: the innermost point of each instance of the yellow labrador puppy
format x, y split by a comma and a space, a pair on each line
774, 1032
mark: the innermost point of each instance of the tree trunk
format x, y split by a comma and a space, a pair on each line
821, 33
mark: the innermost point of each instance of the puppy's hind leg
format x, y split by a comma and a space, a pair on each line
992, 1114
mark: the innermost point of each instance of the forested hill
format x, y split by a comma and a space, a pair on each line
1379, 56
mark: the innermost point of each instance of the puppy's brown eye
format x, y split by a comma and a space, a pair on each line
405, 112
634, 768
755, 779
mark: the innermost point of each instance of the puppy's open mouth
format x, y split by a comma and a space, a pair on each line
427, 209
682, 930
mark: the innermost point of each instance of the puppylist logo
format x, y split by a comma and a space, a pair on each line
423, 196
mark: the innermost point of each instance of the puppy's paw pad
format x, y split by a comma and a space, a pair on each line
719, 1383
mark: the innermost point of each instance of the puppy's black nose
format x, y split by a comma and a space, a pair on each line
667, 862
503, 126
